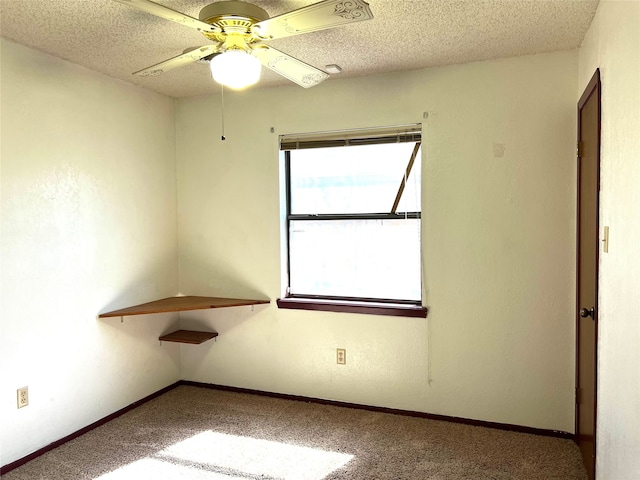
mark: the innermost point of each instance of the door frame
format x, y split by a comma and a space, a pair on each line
593, 88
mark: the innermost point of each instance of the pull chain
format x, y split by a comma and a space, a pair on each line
222, 137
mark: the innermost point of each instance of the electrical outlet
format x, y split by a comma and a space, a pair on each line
23, 397
341, 356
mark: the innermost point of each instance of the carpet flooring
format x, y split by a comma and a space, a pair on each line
203, 434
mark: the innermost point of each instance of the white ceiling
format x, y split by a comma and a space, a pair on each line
116, 40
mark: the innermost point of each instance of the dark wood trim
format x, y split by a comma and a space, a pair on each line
479, 423
21, 461
593, 87
393, 411
588, 91
188, 336
345, 306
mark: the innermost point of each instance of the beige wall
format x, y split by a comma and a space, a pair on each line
498, 243
613, 45
88, 224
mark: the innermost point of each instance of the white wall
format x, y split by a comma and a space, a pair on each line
613, 45
88, 224
498, 241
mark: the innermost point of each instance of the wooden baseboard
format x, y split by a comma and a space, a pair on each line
393, 411
21, 461
480, 423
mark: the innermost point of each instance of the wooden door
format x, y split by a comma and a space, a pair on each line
588, 245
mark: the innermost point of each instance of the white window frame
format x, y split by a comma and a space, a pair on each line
403, 133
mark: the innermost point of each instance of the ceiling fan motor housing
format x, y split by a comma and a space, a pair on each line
234, 19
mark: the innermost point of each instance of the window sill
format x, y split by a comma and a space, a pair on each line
351, 306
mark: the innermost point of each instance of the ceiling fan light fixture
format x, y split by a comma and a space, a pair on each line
235, 69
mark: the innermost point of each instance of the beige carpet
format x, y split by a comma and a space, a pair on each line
198, 433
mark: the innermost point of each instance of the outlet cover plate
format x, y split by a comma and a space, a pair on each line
23, 397
341, 356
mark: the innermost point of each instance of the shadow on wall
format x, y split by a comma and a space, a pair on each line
220, 279
147, 286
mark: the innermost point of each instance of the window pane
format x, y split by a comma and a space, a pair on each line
356, 258
356, 179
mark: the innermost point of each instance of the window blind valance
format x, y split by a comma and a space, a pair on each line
362, 136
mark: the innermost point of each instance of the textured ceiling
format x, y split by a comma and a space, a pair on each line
116, 40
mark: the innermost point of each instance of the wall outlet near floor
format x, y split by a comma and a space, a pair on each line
23, 397
341, 356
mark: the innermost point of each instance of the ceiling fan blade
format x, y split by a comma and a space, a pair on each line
182, 59
164, 12
289, 67
319, 16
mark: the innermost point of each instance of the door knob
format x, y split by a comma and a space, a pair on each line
584, 313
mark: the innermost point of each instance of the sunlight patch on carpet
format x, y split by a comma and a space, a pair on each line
257, 457
212, 455
151, 468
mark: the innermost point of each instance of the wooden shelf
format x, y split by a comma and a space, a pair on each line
188, 336
178, 304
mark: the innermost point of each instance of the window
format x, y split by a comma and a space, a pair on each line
353, 211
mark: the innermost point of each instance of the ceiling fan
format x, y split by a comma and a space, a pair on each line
238, 30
